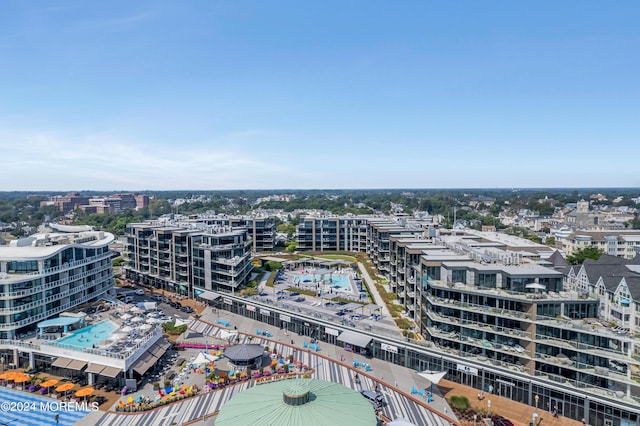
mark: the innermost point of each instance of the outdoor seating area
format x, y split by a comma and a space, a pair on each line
360, 364
59, 388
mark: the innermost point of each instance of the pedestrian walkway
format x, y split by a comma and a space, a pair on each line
329, 363
519, 414
373, 291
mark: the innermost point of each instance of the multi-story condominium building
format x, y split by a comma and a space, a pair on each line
46, 274
615, 243
332, 233
404, 259
188, 260
494, 312
262, 229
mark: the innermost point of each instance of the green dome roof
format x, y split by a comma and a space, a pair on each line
297, 402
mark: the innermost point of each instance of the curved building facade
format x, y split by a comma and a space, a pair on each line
46, 274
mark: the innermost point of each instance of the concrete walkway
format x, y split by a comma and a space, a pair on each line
374, 291
393, 376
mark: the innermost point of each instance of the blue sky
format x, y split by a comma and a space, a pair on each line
165, 95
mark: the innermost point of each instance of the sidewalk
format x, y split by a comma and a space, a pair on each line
399, 378
374, 291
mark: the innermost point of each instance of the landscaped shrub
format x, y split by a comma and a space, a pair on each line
459, 401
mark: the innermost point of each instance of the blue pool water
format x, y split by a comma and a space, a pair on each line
36, 410
342, 281
89, 336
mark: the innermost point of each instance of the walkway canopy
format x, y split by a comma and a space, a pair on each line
355, 339
63, 322
144, 363
207, 295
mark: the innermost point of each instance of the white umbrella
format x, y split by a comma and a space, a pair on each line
432, 376
136, 310
126, 328
146, 327
535, 286
126, 316
137, 319
202, 358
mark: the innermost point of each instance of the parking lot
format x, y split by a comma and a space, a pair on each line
170, 306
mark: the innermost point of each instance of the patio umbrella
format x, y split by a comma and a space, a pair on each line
48, 384
535, 286
146, 327
137, 319
65, 387
432, 376
85, 392
126, 328
21, 379
126, 316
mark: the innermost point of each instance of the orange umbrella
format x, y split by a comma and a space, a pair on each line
21, 379
5, 376
85, 392
65, 387
49, 383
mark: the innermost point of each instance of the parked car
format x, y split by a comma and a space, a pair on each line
374, 398
140, 292
500, 421
187, 309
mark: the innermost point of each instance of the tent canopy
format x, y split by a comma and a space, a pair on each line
432, 376
202, 358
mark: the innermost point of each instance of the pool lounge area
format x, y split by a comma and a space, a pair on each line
336, 281
91, 336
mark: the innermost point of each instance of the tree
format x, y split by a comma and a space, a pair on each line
550, 241
580, 255
272, 265
291, 246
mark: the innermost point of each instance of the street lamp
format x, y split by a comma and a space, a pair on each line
2, 361
536, 397
489, 408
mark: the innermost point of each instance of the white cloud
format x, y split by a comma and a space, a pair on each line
51, 161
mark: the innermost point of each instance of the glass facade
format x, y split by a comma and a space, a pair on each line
574, 404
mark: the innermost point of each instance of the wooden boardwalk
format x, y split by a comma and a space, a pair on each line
519, 414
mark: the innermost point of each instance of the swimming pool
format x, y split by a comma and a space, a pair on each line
339, 282
91, 336
37, 410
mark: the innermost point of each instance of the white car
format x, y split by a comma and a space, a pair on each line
140, 292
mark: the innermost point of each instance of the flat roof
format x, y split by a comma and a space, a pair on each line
355, 339
59, 322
